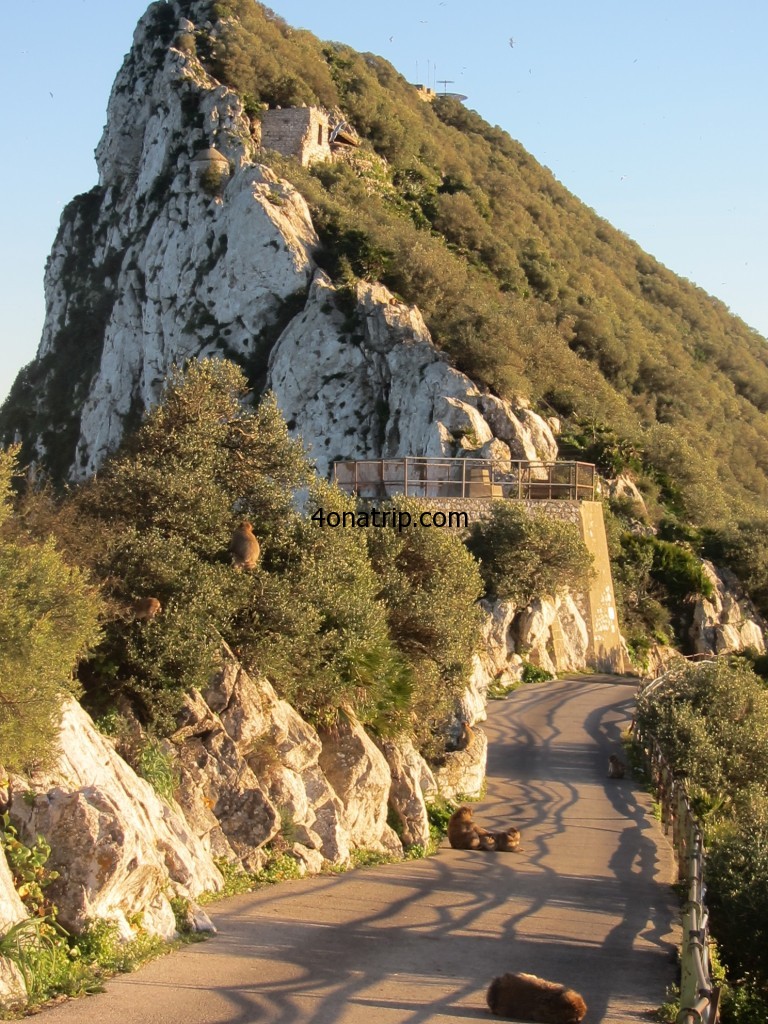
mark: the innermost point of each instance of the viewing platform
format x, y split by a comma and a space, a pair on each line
446, 478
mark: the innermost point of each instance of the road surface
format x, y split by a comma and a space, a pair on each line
587, 902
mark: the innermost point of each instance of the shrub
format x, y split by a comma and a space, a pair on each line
527, 556
48, 620
429, 584
737, 883
156, 765
711, 721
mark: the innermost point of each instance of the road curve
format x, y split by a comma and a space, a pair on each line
587, 902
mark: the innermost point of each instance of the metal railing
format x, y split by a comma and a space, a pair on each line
699, 997
422, 477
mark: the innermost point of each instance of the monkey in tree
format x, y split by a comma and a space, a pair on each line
526, 997
244, 547
146, 608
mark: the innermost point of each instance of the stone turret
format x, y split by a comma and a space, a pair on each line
210, 167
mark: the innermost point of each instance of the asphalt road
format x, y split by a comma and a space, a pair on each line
586, 902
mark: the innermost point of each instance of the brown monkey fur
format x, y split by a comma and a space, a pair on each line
526, 997
464, 834
616, 768
465, 737
146, 608
244, 547
507, 842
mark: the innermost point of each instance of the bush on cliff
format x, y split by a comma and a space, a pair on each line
386, 635
48, 620
711, 721
430, 585
523, 556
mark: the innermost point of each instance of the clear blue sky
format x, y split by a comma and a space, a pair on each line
652, 113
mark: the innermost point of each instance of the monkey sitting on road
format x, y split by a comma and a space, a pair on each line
244, 547
526, 997
464, 834
616, 768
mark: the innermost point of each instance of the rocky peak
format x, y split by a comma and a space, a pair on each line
189, 247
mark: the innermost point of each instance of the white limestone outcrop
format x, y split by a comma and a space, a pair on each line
728, 620
372, 385
119, 849
157, 265
13, 992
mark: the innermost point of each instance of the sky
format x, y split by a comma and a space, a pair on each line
652, 113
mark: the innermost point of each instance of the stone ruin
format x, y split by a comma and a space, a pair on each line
308, 133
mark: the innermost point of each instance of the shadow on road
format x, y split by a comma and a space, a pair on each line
587, 902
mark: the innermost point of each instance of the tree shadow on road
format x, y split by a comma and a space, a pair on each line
418, 943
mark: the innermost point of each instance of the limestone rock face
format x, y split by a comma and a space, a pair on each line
13, 993
160, 263
463, 773
413, 783
120, 850
552, 634
359, 774
728, 621
376, 387
624, 487
249, 765
219, 793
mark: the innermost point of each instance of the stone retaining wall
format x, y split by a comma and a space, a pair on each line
480, 508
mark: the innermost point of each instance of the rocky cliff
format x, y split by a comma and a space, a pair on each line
188, 246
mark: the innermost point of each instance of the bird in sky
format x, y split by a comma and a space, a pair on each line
512, 42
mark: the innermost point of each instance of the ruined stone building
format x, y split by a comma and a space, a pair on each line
308, 133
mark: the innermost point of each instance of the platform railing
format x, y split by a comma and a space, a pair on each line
443, 478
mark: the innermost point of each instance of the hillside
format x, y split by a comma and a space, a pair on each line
525, 289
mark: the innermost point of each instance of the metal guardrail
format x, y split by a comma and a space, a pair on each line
423, 477
699, 997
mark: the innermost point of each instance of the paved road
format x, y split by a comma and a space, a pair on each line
587, 902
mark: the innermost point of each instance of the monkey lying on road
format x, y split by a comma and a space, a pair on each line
526, 997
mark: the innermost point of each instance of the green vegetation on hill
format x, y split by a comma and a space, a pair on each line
48, 620
711, 721
340, 620
526, 288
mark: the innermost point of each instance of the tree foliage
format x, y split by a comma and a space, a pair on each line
386, 633
527, 556
48, 620
429, 584
711, 721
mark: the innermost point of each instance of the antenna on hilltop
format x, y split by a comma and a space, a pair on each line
444, 82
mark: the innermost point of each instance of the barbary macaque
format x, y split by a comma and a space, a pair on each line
526, 997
